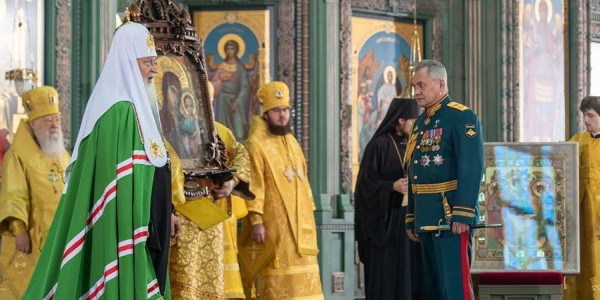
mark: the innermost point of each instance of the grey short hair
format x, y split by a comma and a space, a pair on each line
435, 70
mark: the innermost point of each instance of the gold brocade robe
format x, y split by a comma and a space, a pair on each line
32, 185
239, 160
284, 204
586, 285
202, 264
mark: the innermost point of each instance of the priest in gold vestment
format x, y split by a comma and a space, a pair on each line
240, 161
586, 285
32, 183
281, 218
203, 262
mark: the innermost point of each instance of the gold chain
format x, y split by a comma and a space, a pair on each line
398, 152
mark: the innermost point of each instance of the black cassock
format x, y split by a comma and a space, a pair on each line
160, 224
392, 261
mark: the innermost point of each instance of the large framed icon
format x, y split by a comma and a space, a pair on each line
182, 109
181, 86
533, 190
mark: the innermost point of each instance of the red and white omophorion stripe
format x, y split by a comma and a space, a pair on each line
125, 247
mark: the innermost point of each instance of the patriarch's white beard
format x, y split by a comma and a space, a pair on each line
153, 99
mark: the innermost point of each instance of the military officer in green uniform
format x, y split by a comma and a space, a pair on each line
444, 156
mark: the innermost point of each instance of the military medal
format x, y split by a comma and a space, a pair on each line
438, 160
436, 136
434, 139
425, 160
426, 141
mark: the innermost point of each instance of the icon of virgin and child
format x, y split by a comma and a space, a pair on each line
180, 110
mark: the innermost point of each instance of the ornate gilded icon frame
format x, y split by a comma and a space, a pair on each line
182, 90
533, 190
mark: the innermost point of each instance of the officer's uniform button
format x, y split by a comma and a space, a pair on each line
418, 147
415, 177
416, 161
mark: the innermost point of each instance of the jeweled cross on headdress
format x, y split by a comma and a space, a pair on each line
150, 41
127, 15
278, 94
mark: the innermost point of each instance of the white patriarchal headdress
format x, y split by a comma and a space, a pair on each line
121, 80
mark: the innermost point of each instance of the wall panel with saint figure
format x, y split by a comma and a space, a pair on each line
543, 90
381, 55
236, 44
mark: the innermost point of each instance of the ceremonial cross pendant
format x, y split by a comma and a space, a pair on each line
54, 179
289, 173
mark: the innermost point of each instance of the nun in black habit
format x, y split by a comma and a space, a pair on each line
391, 260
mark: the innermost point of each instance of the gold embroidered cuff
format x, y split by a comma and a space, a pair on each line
17, 227
255, 218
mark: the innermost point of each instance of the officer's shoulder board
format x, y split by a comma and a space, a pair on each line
457, 106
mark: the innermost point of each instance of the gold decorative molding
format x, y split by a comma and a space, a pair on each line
62, 48
595, 19
345, 95
586, 9
509, 45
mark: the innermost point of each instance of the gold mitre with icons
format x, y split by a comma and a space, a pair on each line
273, 94
40, 101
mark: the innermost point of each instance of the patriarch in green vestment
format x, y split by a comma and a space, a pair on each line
110, 235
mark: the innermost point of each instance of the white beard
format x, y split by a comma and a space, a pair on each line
52, 146
154, 105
